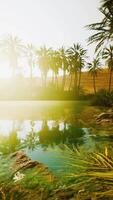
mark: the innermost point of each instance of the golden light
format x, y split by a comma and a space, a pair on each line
5, 71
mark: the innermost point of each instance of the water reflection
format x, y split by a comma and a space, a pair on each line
42, 128
10, 143
30, 134
44, 134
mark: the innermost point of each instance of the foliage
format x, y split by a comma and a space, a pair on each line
94, 69
91, 174
103, 98
104, 28
37, 179
107, 54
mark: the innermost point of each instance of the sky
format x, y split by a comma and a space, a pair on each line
53, 23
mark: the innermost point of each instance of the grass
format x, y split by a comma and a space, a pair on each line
89, 176
36, 183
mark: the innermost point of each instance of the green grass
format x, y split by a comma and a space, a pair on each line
89, 176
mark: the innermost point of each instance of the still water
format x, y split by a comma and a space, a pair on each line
42, 128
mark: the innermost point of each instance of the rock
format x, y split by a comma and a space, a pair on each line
105, 116
22, 161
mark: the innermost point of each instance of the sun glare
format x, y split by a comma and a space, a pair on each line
5, 71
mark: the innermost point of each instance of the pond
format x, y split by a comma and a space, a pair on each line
43, 128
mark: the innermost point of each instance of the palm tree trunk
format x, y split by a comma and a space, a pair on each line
70, 84
79, 82
110, 79
45, 81
31, 72
75, 80
31, 79
94, 84
13, 64
41, 80
63, 80
53, 77
56, 81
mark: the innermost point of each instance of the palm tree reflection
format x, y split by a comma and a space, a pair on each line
44, 134
31, 140
54, 135
10, 143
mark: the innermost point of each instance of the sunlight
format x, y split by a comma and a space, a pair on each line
56, 99
5, 71
5, 127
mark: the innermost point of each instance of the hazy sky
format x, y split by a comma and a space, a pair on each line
51, 22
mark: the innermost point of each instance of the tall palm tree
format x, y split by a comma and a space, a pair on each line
64, 64
82, 56
70, 72
104, 28
77, 57
30, 55
43, 60
55, 64
12, 48
52, 64
94, 69
73, 55
107, 54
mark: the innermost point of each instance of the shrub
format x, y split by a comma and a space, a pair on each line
103, 98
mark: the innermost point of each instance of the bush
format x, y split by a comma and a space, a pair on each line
103, 98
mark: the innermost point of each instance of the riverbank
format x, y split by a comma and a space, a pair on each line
97, 117
89, 178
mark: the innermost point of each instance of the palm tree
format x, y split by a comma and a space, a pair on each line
70, 71
107, 54
55, 64
12, 48
64, 64
43, 60
94, 69
73, 56
104, 28
30, 54
82, 56
77, 57
52, 64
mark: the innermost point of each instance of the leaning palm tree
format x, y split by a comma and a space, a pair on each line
94, 68
104, 28
107, 54
11, 47
30, 55
43, 55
